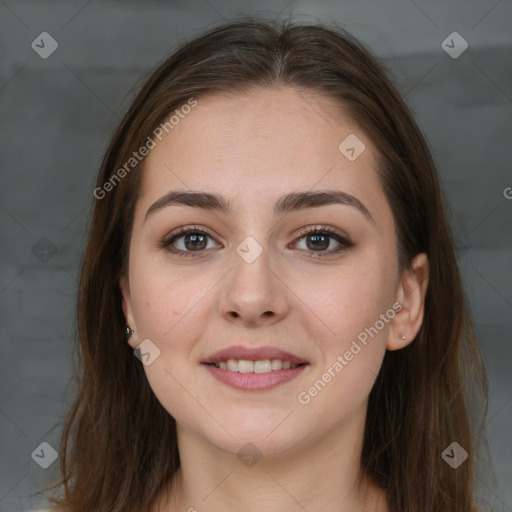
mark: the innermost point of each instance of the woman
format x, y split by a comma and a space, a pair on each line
269, 231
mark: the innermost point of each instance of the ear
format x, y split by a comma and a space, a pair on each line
128, 310
411, 295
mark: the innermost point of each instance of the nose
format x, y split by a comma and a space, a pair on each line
254, 293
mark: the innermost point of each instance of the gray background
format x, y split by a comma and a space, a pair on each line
57, 115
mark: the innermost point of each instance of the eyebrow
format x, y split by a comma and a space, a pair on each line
294, 201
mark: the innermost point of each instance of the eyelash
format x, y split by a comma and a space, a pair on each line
166, 243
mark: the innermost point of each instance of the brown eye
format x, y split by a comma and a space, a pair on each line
196, 241
191, 240
318, 240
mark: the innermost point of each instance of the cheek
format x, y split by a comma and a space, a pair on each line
166, 310
350, 300
356, 307
161, 299
352, 353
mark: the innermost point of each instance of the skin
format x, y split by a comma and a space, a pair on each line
254, 148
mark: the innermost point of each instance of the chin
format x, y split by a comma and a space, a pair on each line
269, 436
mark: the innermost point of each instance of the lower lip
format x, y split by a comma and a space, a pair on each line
255, 381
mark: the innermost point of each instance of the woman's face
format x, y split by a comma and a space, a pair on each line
257, 283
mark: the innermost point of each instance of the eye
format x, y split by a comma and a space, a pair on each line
195, 240
319, 239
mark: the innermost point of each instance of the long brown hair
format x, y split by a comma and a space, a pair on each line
119, 447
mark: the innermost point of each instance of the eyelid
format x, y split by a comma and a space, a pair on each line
323, 229
183, 231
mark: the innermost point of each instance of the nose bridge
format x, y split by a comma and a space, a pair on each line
252, 268
253, 290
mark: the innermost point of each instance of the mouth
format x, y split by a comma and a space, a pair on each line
254, 369
258, 366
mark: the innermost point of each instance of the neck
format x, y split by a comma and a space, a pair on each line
324, 474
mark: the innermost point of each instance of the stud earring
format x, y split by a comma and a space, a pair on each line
403, 336
129, 332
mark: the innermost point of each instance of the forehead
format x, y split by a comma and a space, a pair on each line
260, 145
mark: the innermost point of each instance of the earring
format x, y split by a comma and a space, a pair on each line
403, 336
129, 332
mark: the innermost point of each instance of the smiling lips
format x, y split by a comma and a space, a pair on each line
254, 368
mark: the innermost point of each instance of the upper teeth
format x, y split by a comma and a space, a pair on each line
262, 366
